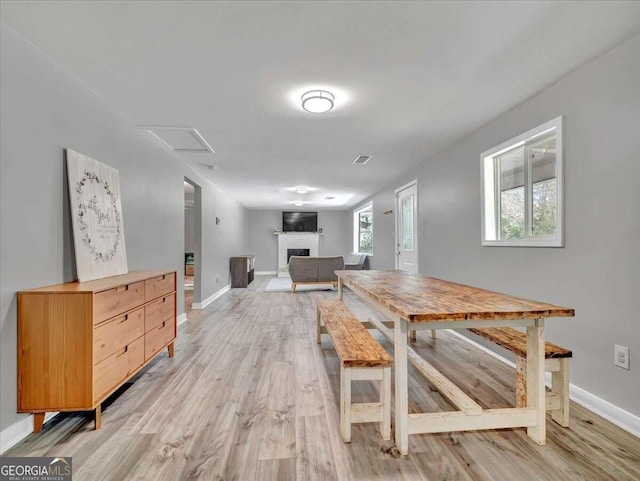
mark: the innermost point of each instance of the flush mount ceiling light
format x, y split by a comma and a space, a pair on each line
317, 101
301, 189
299, 203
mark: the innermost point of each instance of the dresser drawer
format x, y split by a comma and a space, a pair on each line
113, 335
107, 304
119, 366
159, 286
159, 337
159, 311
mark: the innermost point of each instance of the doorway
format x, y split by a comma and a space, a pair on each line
407, 227
192, 245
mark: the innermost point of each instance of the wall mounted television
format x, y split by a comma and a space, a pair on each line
299, 221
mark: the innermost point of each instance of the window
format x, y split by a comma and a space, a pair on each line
363, 229
522, 189
407, 223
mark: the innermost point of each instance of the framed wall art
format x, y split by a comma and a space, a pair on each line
96, 212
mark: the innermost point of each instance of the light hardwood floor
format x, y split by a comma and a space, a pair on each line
251, 396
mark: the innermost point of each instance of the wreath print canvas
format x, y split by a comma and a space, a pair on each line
96, 212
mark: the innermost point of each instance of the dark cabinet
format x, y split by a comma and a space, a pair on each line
242, 270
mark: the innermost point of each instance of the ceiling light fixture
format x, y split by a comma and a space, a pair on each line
298, 204
317, 101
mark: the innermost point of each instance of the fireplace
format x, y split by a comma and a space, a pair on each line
295, 243
297, 252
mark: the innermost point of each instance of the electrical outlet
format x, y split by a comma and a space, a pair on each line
621, 356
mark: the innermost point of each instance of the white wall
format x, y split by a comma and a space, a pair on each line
598, 271
43, 111
334, 241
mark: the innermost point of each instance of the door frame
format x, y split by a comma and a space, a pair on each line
397, 223
197, 267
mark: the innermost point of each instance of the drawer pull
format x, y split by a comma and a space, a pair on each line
124, 318
124, 350
164, 277
164, 299
163, 324
122, 288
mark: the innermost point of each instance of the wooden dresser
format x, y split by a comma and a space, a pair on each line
78, 342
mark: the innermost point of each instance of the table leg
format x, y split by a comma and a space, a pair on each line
535, 380
401, 386
340, 288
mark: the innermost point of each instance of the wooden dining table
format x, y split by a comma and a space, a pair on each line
414, 302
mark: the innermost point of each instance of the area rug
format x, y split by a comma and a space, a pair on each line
283, 284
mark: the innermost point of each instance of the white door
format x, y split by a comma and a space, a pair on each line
406, 228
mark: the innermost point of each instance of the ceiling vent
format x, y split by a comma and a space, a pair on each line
179, 139
361, 159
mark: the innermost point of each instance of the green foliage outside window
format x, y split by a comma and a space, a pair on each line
365, 232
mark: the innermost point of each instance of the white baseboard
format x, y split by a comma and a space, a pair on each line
627, 421
181, 318
618, 416
266, 273
19, 430
210, 299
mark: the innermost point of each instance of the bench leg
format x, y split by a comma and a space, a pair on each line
560, 386
345, 404
385, 400
413, 335
318, 319
432, 333
521, 382
293, 287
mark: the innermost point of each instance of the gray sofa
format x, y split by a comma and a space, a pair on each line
355, 261
314, 270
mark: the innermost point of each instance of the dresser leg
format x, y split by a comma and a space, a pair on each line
98, 416
170, 349
38, 422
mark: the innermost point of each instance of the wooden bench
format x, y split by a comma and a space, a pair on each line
556, 362
362, 358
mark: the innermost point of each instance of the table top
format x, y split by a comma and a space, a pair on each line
418, 298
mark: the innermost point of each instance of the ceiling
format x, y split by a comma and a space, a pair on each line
410, 78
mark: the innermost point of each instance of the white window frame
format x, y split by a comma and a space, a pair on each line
368, 207
491, 195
